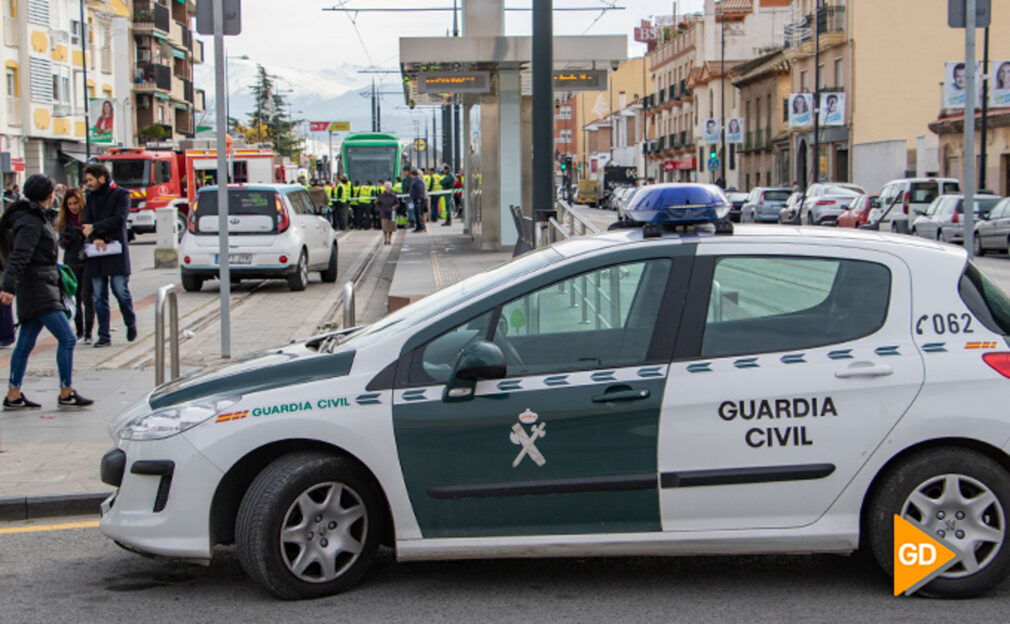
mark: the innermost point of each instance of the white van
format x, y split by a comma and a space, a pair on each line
901, 201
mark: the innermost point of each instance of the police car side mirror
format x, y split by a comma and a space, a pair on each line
479, 360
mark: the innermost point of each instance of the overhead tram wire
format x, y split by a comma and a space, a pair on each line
447, 9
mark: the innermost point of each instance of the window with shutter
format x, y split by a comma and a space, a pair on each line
40, 80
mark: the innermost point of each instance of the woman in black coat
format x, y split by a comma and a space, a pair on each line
29, 249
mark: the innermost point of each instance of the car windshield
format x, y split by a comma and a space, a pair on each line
130, 173
451, 296
777, 195
240, 202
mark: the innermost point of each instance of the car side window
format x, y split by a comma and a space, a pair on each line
301, 202
600, 319
760, 304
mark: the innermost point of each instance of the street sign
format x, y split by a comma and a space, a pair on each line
420, 145
454, 82
955, 13
329, 126
713, 164
232, 17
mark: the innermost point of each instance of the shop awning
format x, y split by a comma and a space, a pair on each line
181, 106
180, 54
161, 96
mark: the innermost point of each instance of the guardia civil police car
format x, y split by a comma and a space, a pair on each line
651, 390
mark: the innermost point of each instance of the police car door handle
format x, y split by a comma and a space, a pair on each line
613, 395
864, 369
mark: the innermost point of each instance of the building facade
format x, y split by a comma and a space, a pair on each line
763, 84
691, 57
612, 121
46, 53
165, 101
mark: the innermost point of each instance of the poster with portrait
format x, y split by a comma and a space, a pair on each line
999, 86
101, 119
710, 133
832, 110
801, 106
955, 77
734, 130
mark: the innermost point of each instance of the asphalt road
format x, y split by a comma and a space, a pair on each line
78, 575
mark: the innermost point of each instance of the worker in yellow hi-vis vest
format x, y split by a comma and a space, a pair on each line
445, 205
356, 205
365, 201
401, 207
437, 201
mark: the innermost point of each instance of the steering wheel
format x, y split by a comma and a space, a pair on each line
512, 356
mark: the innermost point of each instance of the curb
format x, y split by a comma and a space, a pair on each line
31, 507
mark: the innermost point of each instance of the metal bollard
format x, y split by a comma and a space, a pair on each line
349, 305
166, 294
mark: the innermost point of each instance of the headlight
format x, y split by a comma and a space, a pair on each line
139, 424
142, 205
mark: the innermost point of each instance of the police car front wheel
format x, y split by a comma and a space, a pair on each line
959, 495
309, 525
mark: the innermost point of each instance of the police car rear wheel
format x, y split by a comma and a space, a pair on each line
309, 525
958, 495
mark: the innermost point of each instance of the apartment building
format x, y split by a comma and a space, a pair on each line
688, 70
165, 101
45, 54
612, 121
888, 58
763, 84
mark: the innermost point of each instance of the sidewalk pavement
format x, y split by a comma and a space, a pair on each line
49, 459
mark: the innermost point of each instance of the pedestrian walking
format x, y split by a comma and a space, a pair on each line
385, 205
69, 225
418, 199
29, 250
108, 256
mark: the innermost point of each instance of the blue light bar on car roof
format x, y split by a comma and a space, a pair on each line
679, 204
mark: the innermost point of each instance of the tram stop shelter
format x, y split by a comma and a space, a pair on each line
492, 75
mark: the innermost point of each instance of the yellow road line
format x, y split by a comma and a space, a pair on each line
90, 524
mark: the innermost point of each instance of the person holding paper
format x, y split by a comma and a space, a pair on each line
108, 256
29, 250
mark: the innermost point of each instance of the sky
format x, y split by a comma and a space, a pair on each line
297, 36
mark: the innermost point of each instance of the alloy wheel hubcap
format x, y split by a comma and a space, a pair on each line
965, 513
323, 532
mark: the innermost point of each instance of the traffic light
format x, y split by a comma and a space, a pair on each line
712, 153
564, 165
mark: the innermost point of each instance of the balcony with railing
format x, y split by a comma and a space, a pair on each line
686, 140
662, 96
175, 34
179, 89
11, 32
13, 111
152, 76
197, 51
748, 144
673, 93
187, 90
62, 110
672, 141
148, 15
187, 39
830, 25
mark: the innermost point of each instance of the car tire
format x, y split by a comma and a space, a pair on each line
330, 274
296, 554
919, 489
299, 280
191, 283
979, 249
180, 226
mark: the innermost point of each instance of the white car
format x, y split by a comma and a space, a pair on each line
769, 390
824, 201
902, 201
274, 231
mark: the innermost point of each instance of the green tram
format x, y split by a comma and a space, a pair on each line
371, 156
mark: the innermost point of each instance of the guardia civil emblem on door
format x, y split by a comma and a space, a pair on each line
526, 439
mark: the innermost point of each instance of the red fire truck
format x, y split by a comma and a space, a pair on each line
163, 175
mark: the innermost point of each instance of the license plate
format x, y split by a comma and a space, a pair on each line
236, 259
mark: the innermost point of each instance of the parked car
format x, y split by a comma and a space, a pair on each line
824, 201
737, 200
763, 204
943, 219
622, 201
274, 231
858, 212
993, 234
902, 201
790, 213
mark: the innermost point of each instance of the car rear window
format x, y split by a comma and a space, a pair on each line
982, 206
840, 190
782, 195
239, 203
951, 187
924, 192
985, 299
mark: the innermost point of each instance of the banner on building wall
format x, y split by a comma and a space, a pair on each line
999, 86
955, 76
735, 130
710, 134
101, 119
832, 109
801, 106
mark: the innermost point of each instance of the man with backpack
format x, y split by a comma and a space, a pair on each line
105, 213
